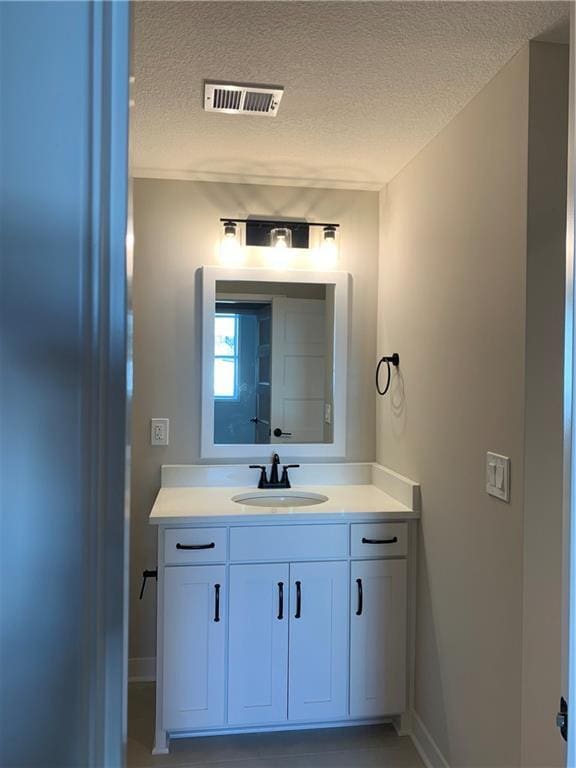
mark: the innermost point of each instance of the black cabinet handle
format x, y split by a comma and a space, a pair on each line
393, 540
298, 613
360, 597
216, 602
195, 546
280, 600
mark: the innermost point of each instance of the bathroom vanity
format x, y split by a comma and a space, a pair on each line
274, 616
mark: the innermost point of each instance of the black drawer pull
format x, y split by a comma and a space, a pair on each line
216, 602
280, 600
298, 613
360, 597
393, 540
195, 546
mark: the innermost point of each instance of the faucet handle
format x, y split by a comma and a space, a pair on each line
263, 479
284, 479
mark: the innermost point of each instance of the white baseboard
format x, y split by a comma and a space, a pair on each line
425, 745
142, 670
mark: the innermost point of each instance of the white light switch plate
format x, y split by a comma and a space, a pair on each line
498, 476
159, 431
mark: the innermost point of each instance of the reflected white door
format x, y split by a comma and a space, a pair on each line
298, 370
258, 644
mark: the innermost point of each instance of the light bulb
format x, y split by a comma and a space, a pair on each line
281, 237
328, 253
231, 252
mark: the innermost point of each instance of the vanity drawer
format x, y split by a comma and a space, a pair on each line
378, 539
194, 545
288, 542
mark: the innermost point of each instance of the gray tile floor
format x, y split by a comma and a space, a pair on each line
362, 747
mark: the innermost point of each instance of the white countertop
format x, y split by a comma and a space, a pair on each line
200, 504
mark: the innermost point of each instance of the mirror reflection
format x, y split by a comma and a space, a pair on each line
273, 362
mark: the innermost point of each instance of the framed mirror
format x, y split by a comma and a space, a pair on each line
274, 362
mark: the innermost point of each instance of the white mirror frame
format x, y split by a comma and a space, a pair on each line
337, 448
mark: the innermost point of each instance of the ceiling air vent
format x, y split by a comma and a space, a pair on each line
234, 99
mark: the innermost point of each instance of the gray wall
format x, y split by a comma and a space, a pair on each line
177, 229
459, 270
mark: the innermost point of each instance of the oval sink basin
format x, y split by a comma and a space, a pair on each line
280, 499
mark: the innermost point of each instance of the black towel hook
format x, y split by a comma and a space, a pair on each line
395, 360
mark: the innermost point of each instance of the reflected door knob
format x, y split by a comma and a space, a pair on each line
278, 433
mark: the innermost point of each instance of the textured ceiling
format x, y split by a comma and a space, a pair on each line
367, 84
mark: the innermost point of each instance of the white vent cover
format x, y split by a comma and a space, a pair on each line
242, 99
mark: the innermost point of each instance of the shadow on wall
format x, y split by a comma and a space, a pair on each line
393, 406
293, 173
230, 200
431, 684
398, 403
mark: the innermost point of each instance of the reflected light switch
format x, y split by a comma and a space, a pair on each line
498, 476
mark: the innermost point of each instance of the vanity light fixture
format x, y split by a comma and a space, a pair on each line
281, 237
277, 233
230, 251
329, 234
329, 247
230, 230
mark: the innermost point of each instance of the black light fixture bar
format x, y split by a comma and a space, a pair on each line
258, 230
273, 223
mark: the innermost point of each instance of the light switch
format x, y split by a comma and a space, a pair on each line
159, 431
498, 476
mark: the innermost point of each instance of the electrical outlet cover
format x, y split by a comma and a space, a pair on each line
159, 431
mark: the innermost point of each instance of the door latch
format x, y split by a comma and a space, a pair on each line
562, 718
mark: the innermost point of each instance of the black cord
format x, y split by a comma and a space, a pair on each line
395, 360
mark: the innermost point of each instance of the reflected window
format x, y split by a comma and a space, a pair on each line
226, 356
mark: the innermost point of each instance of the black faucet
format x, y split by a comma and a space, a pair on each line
274, 470
284, 482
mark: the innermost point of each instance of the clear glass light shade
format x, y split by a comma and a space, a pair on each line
328, 252
230, 249
281, 237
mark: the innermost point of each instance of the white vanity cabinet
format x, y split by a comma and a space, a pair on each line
378, 637
282, 625
194, 640
258, 643
288, 643
318, 657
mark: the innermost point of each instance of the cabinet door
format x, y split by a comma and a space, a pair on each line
318, 668
194, 642
378, 638
258, 644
